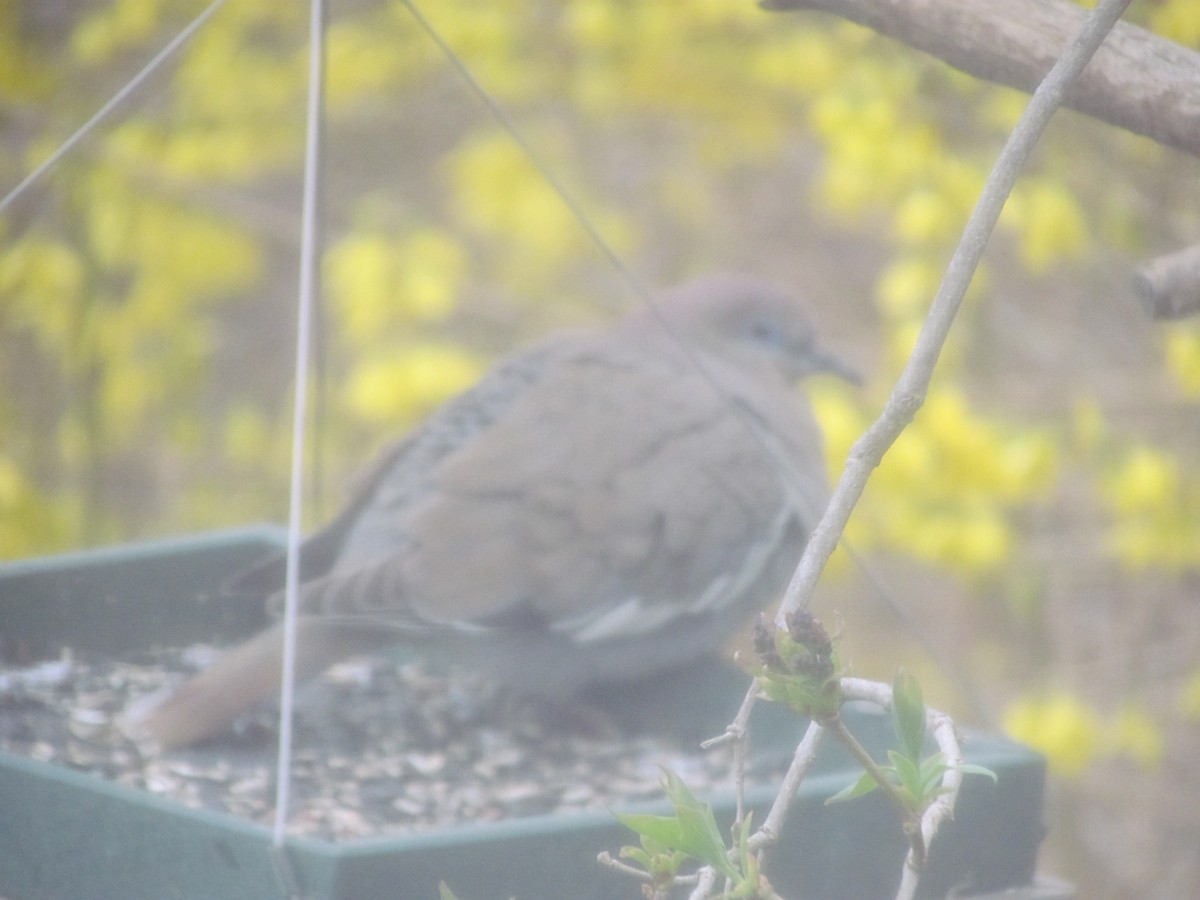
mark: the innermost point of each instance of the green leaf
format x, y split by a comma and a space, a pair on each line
692, 829
656, 859
749, 863
932, 770
908, 713
664, 830
908, 770
444, 892
865, 784
971, 769
699, 833
637, 855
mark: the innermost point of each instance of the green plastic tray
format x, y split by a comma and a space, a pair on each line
71, 836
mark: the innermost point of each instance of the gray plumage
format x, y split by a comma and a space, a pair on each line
601, 505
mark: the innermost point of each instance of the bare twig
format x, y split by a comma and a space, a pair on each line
941, 727
736, 732
909, 393
1138, 81
938, 724
907, 397
736, 729
867, 452
802, 760
1169, 286
705, 884
609, 861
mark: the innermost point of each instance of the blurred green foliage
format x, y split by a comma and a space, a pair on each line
143, 265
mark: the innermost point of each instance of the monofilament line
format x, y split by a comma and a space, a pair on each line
646, 297
69, 144
635, 285
307, 288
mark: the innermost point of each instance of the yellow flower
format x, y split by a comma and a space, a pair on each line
1145, 480
982, 540
378, 282
126, 393
1059, 725
1178, 20
44, 279
804, 60
101, 34
907, 287
1183, 358
839, 417
248, 439
395, 389
925, 215
1003, 108
12, 483
593, 23
1050, 223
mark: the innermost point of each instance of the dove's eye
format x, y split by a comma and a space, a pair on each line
765, 332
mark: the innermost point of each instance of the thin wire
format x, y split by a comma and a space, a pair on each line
501, 115
647, 298
631, 280
575, 208
66, 146
308, 266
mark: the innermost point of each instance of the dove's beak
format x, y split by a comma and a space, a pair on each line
824, 361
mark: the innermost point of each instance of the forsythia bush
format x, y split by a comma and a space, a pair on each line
142, 260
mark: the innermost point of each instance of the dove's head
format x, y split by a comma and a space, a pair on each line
750, 322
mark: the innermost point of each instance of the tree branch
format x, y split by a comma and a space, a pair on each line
1169, 286
909, 393
1137, 81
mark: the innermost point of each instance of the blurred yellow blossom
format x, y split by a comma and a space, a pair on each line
943, 490
1183, 357
249, 439
12, 483
1004, 107
1155, 507
103, 33
378, 282
925, 215
799, 60
397, 387
840, 418
1049, 221
977, 452
1145, 479
594, 23
370, 55
1061, 726
907, 287
501, 195
902, 340
41, 281
1178, 20
500, 192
